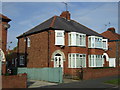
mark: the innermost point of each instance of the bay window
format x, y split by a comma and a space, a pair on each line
97, 42
96, 61
75, 60
76, 39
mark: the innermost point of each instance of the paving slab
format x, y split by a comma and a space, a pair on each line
38, 83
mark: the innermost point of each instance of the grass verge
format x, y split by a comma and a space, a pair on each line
114, 82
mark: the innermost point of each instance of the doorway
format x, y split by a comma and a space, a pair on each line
58, 60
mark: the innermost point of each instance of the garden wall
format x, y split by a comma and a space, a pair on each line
14, 81
97, 73
90, 73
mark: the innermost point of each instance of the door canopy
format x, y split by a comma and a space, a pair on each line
58, 52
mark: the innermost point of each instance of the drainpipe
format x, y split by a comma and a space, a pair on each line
18, 53
117, 54
25, 51
48, 50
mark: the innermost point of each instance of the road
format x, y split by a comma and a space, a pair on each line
93, 83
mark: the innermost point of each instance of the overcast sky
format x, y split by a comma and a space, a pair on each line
26, 15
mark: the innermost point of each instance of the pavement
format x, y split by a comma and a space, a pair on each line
38, 83
69, 83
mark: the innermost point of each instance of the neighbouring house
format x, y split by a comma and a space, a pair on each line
114, 46
3, 31
62, 42
3, 37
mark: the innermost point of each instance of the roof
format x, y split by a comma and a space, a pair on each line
59, 23
110, 35
4, 18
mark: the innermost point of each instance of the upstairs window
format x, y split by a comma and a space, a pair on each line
22, 60
105, 44
76, 39
94, 42
97, 42
59, 37
28, 42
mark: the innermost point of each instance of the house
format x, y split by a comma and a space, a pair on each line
3, 37
62, 42
11, 58
114, 46
3, 31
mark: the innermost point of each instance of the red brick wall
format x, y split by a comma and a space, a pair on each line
14, 81
38, 50
3, 68
3, 36
97, 73
112, 50
93, 73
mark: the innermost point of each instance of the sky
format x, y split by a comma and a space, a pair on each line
26, 15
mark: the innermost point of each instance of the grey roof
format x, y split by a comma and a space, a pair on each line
59, 23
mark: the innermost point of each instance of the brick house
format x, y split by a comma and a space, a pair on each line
3, 37
62, 42
114, 46
3, 31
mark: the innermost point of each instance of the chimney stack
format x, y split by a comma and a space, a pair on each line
112, 29
65, 14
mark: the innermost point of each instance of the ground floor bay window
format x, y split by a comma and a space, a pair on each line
96, 61
75, 60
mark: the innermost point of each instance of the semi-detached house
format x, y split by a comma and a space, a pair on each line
62, 42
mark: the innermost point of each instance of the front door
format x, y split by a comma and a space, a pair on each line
58, 62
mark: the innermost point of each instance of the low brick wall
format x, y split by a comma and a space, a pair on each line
93, 73
14, 81
97, 73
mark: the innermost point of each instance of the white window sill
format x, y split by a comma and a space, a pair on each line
76, 46
59, 44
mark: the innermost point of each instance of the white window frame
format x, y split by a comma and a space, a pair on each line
22, 60
95, 59
62, 37
72, 62
74, 39
106, 44
28, 42
97, 42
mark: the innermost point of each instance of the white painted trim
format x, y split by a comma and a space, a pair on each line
107, 57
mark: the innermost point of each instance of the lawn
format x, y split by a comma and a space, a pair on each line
115, 81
